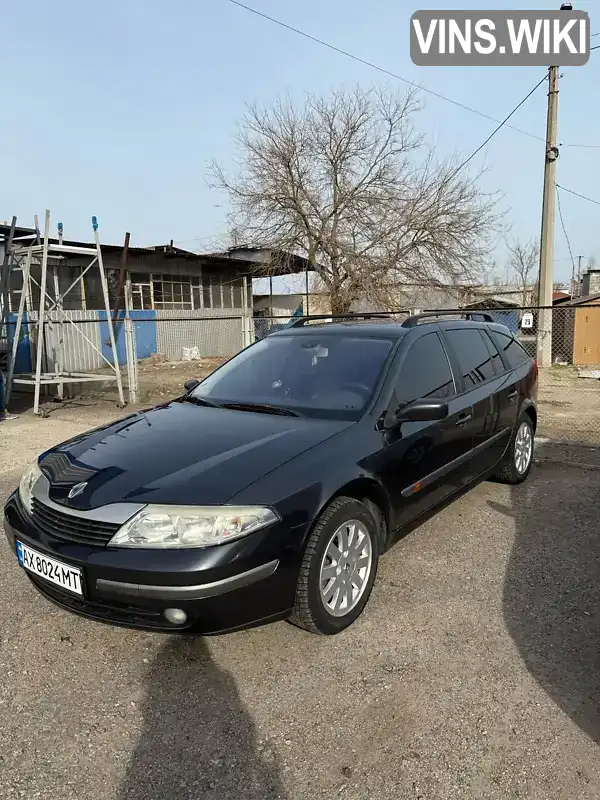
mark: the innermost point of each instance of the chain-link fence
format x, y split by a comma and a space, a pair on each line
171, 346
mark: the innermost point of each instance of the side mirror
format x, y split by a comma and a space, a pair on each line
423, 410
191, 384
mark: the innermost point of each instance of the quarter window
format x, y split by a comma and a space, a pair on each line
473, 356
491, 345
513, 352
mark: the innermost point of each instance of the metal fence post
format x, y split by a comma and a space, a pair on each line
130, 347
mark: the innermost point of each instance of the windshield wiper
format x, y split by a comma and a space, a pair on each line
199, 401
265, 408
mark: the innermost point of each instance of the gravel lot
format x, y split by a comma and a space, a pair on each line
474, 672
569, 406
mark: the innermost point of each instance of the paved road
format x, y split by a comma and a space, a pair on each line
474, 672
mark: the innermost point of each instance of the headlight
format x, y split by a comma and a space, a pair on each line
28, 481
191, 526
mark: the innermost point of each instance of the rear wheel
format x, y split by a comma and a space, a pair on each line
519, 456
338, 569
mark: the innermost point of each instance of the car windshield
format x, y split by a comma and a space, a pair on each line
320, 376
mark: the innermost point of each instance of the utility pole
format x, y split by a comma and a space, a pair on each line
544, 334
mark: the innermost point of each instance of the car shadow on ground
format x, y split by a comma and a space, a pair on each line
197, 741
552, 587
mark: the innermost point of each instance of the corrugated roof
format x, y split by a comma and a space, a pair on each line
581, 301
290, 263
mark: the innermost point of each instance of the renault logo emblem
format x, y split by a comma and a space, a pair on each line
76, 490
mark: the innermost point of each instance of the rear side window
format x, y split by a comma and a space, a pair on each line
491, 346
473, 356
513, 352
425, 372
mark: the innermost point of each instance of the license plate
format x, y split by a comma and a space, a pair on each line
63, 575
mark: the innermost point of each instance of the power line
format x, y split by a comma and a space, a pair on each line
501, 125
378, 68
582, 196
562, 222
391, 74
588, 146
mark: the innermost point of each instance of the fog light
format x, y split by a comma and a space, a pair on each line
175, 615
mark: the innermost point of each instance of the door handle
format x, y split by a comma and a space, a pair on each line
513, 395
463, 419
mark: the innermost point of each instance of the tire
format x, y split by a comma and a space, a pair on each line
513, 469
313, 611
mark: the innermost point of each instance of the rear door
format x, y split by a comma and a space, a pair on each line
473, 356
516, 375
422, 462
490, 391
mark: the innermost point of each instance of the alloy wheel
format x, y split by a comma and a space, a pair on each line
523, 447
345, 568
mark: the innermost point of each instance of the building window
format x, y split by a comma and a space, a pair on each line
212, 291
141, 296
227, 294
237, 288
172, 291
206, 297
184, 292
216, 291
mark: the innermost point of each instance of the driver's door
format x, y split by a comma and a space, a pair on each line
425, 461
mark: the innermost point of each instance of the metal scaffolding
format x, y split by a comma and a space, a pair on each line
22, 258
4, 296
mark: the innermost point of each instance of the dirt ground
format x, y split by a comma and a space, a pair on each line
160, 379
569, 406
473, 673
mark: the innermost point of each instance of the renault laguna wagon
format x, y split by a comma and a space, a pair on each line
270, 490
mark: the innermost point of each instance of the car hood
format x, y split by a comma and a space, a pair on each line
178, 453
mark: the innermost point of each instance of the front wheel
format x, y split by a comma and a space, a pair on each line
338, 568
519, 457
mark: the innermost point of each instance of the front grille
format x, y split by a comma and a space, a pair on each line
70, 528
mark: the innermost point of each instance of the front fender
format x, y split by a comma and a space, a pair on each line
302, 488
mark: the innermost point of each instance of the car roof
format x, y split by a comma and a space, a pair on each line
383, 328
386, 329
471, 323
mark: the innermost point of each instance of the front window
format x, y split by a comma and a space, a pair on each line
320, 376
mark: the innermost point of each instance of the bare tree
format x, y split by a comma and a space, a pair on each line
347, 182
523, 264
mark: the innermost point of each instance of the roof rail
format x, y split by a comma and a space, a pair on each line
298, 322
412, 322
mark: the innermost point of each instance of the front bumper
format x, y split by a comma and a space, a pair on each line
246, 582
